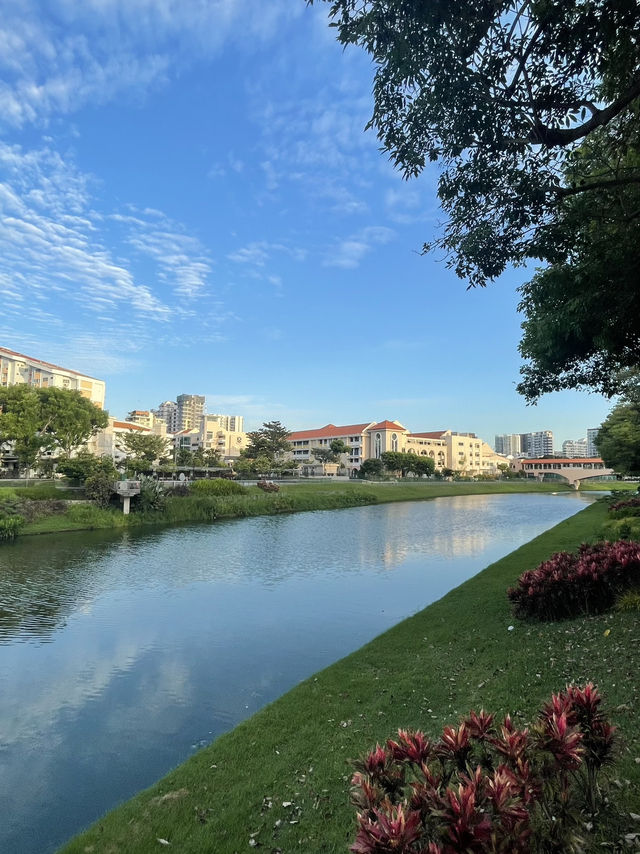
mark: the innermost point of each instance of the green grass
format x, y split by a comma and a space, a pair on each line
291, 498
622, 485
284, 774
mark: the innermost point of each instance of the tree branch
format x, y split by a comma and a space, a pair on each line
564, 192
551, 137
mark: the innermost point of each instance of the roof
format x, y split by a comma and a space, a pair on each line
329, 431
435, 434
49, 365
127, 425
388, 425
526, 460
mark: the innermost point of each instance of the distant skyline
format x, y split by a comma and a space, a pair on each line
190, 204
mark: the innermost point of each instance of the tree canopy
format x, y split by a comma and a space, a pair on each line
145, 447
269, 441
531, 109
40, 419
618, 439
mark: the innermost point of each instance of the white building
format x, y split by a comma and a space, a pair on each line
575, 448
592, 435
18, 369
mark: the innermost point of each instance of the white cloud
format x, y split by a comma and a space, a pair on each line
349, 253
57, 56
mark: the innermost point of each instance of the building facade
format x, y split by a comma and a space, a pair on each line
18, 369
190, 410
509, 444
575, 448
538, 444
592, 435
462, 452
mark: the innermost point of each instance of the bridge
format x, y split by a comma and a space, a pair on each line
572, 470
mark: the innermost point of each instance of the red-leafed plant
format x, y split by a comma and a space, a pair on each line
483, 788
586, 582
631, 506
268, 486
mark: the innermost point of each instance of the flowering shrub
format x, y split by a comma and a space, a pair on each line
268, 486
630, 507
584, 583
484, 787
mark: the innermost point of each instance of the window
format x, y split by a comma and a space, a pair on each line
394, 441
378, 445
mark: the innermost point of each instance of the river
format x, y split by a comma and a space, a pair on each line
121, 653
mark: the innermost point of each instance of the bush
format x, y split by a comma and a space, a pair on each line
85, 465
218, 486
630, 507
152, 496
484, 787
10, 527
98, 488
629, 601
268, 486
584, 583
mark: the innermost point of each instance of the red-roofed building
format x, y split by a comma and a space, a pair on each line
463, 452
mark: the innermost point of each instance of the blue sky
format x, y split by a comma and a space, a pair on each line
190, 204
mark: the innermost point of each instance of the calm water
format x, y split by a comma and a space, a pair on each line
121, 654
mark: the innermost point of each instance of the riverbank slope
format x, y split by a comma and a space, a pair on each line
291, 498
280, 780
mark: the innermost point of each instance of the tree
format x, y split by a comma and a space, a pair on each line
39, 419
371, 468
184, 457
532, 110
618, 440
85, 465
582, 313
498, 91
145, 447
401, 463
70, 418
270, 441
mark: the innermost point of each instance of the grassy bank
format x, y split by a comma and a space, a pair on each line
291, 498
281, 778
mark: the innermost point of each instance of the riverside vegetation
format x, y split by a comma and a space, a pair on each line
280, 781
208, 500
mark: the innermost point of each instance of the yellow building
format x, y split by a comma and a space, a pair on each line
461, 452
18, 369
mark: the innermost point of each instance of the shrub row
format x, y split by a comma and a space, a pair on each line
484, 787
629, 507
586, 582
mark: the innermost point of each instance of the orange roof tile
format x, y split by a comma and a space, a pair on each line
329, 431
127, 425
44, 364
389, 425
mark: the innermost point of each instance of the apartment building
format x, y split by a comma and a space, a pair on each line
167, 411
190, 410
509, 444
575, 448
538, 444
463, 452
18, 369
143, 417
592, 435
212, 433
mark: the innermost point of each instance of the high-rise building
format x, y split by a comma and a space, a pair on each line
168, 412
575, 448
508, 444
18, 369
190, 410
538, 444
592, 435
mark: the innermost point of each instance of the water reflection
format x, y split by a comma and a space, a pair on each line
121, 652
